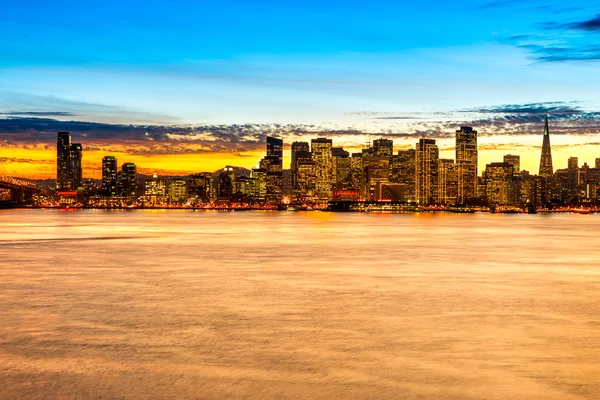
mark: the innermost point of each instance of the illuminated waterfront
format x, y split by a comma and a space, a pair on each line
212, 305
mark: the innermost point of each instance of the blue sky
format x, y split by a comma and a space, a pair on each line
378, 66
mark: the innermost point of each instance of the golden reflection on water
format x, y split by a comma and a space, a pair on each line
209, 305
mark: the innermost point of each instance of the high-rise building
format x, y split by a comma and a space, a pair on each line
199, 187
466, 161
546, 169
341, 168
597, 164
177, 191
426, 172
403, 171
109, 176
225, 181
64, 178
156, 190
258, 189
128, 180
76, 154
297, 147
383, 147
273, 165
448, 181
322, 156
306, 182
497, 177
515, 160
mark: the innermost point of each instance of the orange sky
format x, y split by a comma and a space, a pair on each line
40, 162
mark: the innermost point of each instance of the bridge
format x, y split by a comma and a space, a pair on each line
21, 192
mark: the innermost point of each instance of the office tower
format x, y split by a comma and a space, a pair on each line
297, 147
199, 187
341, 168
448, 181
306, 182
497, 177
376, 173
321, 155
76, 154
515, 160
225, 181
128, 180
298, 156
258, 190
597, 164
426, 172
177, 191
273, 165
546, 169
466, 160
109, 176
383, 147
355, 171
64, 178
404, 172
156, 190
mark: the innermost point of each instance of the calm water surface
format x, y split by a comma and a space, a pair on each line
251, 305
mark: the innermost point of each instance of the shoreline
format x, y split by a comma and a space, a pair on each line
263, 209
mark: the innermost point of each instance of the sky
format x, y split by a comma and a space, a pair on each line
188, 86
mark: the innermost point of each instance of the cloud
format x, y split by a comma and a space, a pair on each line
34, 105
545, 108
39, 113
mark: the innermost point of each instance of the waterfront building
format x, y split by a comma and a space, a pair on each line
199, 187
64, 180
466, 160
177, 191
225, 179
403, 171
448, 181
322, 156
258, 185
128, 180
341, 168
109, 176
426, 172
156, 190
76, 155
273, 165
497, 177
297, 147
306, 184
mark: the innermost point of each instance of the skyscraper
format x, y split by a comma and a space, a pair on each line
515, 160
497, 177
64, 177
273, 165
76, 153
546, 170
383, 147
322, 156
128, 180
405, 172
426, 174
109, 176
466, 161
296, 148
448, 181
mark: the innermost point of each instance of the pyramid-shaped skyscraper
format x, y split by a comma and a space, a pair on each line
546, 169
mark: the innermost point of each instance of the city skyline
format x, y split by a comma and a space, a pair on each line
182, 87
325, 176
